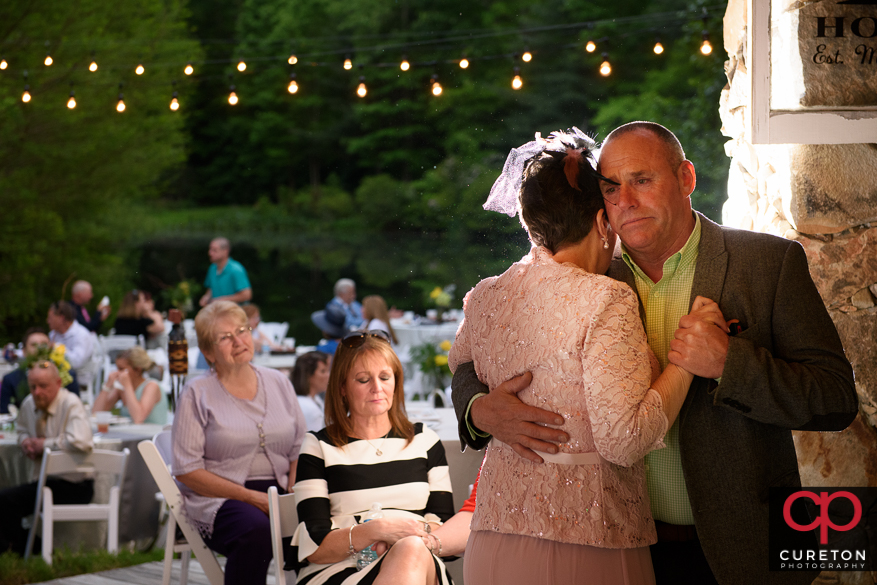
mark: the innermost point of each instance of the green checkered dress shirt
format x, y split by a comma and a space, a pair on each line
665, 302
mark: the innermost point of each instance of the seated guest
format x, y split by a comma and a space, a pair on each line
81, 295
345, 297
50, 417
260, 340
64, 329
137, 316
310, 377
78, 341
376, 316
14, 388
369, 452
237, 431
331, 322
142, 398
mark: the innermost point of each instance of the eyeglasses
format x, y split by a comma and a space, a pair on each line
226, 338
356, 339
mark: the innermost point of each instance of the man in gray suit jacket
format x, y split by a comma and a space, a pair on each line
782, 367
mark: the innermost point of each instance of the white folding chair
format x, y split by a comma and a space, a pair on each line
276, 331
284, 520
171, 492
58, 462
172, 545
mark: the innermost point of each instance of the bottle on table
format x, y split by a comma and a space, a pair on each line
368, 555
177, 346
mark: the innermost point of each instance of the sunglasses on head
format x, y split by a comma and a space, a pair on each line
356, 339
42, 364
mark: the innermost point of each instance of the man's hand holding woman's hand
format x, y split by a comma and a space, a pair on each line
700, 345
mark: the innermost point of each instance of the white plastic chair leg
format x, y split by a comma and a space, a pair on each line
169, 550
48, 524
113, 521
185, 557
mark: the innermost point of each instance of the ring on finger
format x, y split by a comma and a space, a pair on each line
427, 528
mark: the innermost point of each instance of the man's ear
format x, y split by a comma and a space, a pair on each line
687, 177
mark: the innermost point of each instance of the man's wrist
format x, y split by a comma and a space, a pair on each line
474, 431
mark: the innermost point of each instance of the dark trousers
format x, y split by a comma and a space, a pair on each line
18, 502
679, 560
242, 533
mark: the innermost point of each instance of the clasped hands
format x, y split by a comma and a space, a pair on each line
33, 447
389, 531
700, 345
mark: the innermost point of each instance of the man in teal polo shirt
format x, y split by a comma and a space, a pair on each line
226, 278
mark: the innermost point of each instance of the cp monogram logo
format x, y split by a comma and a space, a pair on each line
822, 522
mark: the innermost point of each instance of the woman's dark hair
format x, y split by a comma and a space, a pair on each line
554, 213
305, 366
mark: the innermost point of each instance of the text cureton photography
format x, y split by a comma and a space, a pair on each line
822, 528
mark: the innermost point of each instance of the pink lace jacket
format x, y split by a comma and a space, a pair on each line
581, 337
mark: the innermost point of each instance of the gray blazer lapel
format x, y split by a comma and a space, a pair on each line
712, 263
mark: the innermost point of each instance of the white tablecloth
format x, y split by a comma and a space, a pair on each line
410, 334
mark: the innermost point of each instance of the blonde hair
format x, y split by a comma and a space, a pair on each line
129, 309
375, 307
339, 427
205, 321
137, 357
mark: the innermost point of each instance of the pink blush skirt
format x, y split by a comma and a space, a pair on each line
493, 558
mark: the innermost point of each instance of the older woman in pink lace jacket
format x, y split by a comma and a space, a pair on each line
584, 511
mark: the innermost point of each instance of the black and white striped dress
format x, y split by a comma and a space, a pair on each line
336, 487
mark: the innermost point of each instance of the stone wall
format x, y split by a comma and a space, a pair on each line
825, 197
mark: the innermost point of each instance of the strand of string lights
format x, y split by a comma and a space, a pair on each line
247, 64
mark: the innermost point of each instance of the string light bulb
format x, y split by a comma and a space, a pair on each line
436, 86
71, 103
293, 84
242, 66
517, 82
139, 69
175, 104
25, 97
591, 46
527, 56
706, 47
658, 48
348, 64
605, 66
48, 61
3, 63
120, 105
361, 90
189, 70
405, 65
232, 97
464, 63
93, 65
292, 59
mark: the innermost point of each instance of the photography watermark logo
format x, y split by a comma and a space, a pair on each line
825, 529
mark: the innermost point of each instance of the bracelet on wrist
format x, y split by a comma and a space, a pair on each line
350, 550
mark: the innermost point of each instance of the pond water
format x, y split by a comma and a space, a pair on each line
292, 278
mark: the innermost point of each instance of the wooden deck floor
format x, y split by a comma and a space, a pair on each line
145, 574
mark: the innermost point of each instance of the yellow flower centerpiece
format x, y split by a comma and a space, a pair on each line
432, 359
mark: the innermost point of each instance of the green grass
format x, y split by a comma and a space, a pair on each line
66, 563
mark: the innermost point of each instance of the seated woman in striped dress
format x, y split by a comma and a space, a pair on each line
369, 453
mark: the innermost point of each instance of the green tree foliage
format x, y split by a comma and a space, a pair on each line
71, 179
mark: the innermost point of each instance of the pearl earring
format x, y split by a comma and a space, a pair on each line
605, 244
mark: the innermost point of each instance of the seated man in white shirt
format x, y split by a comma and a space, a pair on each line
78, 340
52, 417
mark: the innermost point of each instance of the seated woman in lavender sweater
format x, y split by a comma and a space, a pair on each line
237, 431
